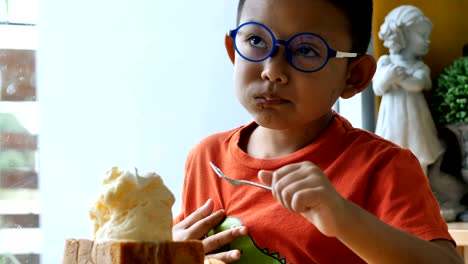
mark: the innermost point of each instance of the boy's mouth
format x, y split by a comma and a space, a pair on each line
268, 100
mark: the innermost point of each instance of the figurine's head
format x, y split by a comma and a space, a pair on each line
406, 30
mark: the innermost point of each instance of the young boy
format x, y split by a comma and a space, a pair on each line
339, 194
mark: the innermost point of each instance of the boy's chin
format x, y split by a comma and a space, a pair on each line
273, 122
277, 121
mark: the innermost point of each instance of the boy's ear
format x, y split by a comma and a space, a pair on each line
229, 47
360, 73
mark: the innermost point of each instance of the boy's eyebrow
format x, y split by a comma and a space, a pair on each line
247, 21
274, 33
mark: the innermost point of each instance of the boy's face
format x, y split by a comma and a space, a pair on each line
273, 92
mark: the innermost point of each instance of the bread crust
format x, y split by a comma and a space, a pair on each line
83, 251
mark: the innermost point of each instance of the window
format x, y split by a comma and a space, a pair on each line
19, 205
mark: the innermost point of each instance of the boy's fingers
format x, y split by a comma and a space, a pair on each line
226, 257
196, 216
220, 239
288, 169
202, 227
265, 176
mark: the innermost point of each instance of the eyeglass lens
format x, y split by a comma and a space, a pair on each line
306, 51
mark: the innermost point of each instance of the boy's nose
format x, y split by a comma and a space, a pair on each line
275, 67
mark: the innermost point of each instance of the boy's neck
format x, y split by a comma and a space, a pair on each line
265, 143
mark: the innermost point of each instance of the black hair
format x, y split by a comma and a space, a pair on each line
359, 15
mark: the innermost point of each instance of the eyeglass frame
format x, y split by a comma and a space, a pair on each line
331, 53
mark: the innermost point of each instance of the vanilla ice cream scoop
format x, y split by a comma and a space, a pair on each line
133, 207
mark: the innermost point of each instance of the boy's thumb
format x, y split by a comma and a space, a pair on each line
265, 176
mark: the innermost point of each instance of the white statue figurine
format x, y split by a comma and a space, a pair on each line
404, 117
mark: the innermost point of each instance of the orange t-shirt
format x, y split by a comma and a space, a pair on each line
375, 174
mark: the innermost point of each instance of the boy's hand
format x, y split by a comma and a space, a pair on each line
199, 223
304, 188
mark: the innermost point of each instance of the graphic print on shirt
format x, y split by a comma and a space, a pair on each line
251, 253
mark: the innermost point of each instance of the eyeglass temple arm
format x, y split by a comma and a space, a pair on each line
232, 33
340, 54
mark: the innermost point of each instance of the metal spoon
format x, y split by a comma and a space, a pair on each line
237, 182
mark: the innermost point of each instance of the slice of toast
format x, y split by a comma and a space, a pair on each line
83, 251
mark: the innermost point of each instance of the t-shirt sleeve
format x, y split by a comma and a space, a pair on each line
197, 187
183, 212
401, 196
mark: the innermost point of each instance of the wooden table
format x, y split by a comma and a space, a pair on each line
459, 232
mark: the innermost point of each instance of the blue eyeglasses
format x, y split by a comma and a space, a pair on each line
306, 52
